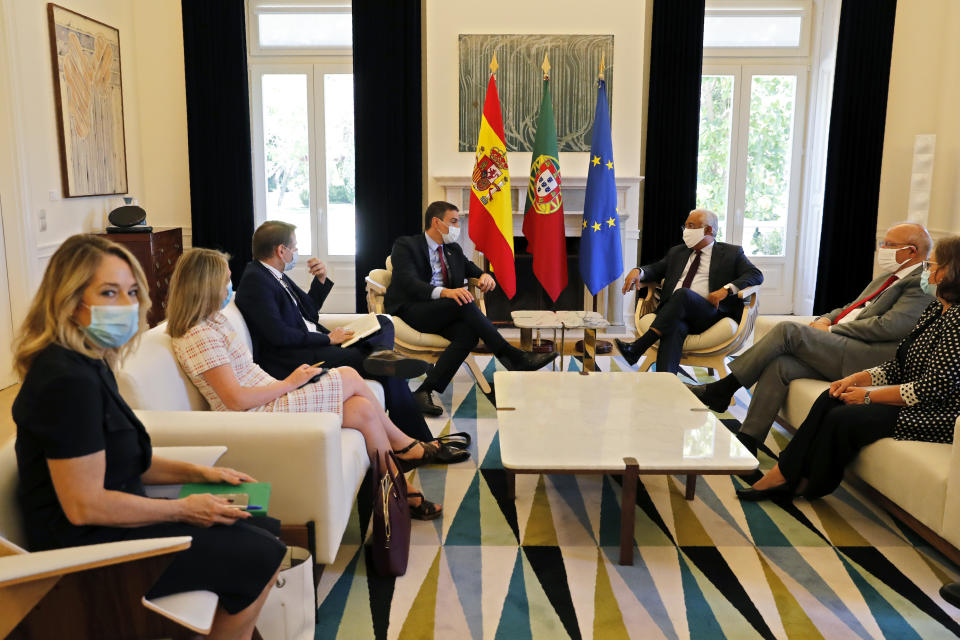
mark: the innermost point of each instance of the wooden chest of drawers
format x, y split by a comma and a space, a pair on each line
157, 252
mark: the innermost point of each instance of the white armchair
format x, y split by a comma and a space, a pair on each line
314, 466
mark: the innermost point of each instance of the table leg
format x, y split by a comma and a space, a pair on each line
563, 344
511, 485
691, 487
628, 510
589, 349
526, 339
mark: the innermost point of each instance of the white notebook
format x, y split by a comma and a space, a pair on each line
362, 327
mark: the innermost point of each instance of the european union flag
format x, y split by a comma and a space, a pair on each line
601, 259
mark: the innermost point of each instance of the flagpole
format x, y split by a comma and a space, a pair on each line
602, 346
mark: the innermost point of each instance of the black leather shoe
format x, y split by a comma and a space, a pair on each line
425, 403
700, 390
530, 361
391, 364
517, 360
756, 495
629, 352
951, 593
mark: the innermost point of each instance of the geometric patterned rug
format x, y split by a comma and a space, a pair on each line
545, 565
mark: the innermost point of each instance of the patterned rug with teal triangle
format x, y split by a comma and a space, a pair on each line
544, 566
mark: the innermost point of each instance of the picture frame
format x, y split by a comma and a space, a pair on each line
88, 90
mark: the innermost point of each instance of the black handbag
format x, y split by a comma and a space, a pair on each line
390, 541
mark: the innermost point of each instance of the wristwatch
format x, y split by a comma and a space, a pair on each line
866, 398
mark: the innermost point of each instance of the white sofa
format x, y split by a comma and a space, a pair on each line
314, 466
919, 482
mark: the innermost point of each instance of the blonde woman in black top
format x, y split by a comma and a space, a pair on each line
919, 398
84, 457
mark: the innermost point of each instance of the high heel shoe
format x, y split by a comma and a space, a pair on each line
750, 494
432, 453
426, 510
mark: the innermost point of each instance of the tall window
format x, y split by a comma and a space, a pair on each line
302, 119
752, 109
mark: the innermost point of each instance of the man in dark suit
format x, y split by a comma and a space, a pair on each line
284, 327
428, 292
701, 278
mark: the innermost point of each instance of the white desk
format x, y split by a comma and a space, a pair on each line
617, 423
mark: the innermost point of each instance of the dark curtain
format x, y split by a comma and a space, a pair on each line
387, 128
218, 127
854, 151
673, 123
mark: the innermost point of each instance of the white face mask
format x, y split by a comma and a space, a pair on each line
451, 235
691, 237
887, 259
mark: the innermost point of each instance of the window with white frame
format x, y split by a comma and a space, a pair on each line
752, 112
302, 122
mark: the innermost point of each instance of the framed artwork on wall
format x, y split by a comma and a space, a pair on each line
575, 60
89, 104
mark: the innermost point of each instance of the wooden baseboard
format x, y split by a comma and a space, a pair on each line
891, 507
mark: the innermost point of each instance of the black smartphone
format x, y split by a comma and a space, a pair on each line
315, 378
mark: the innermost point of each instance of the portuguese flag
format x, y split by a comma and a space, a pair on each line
491, 212
543, 211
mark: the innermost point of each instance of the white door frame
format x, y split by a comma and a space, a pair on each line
341, 267
778, 294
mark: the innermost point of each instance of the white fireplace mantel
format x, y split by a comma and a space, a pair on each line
611, 302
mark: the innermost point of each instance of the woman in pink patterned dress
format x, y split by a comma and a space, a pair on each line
222, 368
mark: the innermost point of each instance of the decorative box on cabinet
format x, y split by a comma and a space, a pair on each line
157, 252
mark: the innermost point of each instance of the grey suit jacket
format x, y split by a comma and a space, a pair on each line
889, 317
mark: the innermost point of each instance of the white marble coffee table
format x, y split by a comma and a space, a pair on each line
617, 423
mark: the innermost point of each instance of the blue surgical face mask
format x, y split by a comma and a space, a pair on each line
112, 326
287, 266
928, 287
226, 301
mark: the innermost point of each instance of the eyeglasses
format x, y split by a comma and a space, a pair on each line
685, 227
883, 244
926, 264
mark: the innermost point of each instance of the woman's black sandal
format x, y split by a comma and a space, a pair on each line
459, 440
426, 510
432, 453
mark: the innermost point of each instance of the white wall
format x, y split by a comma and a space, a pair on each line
924, 97
151, 51
162, 104
625, 19
36, 121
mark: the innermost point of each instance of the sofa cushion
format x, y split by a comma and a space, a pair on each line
899, 469
410, 336
151, 378
238, 323
720, 332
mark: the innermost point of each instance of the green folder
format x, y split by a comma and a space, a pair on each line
259, 493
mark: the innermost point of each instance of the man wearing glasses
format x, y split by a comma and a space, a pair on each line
701, 278
851, 338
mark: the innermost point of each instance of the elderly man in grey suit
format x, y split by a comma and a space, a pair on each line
851, 338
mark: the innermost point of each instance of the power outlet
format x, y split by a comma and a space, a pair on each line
43, 220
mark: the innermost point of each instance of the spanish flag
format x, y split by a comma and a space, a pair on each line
491, 214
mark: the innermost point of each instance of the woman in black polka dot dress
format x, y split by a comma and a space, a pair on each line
919, 398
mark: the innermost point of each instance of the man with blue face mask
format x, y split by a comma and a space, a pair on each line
854, 337
701, 278
428, 292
